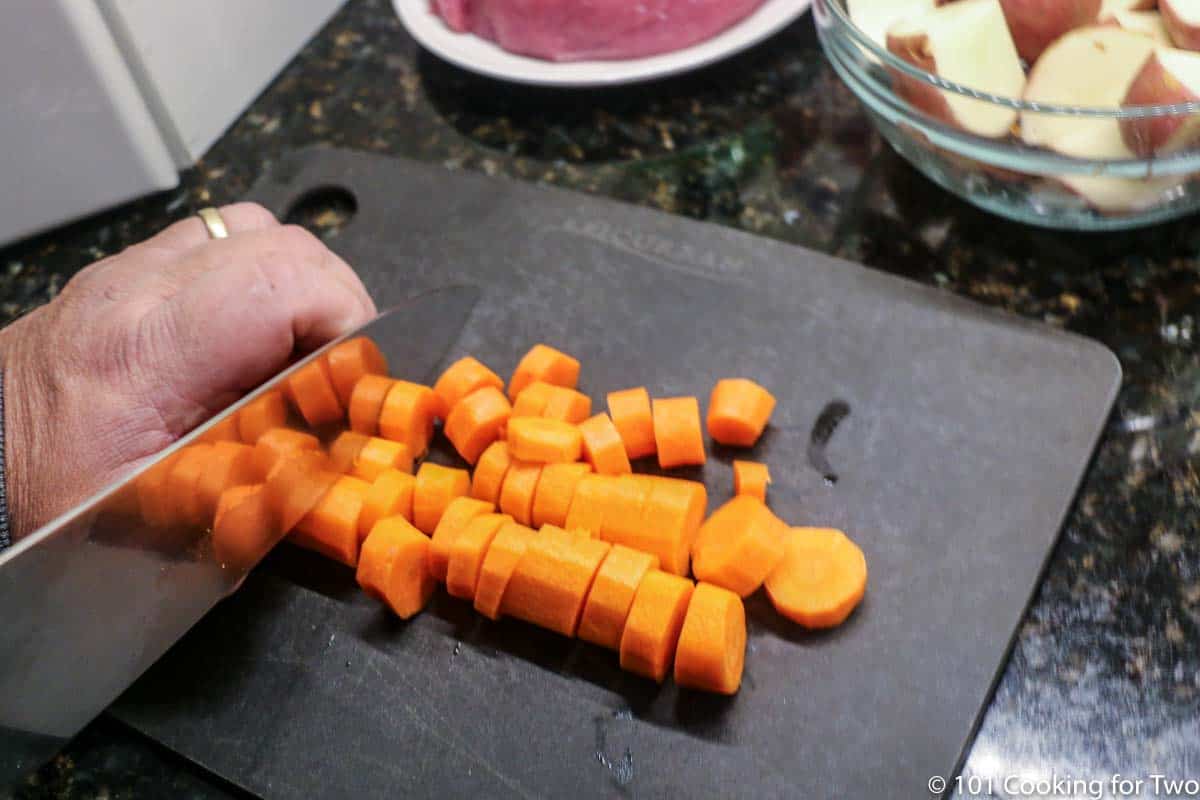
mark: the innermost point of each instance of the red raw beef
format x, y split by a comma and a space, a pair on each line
577, 30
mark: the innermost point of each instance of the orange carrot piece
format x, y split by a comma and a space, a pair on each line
544, 363
331, 528
244, 528
532, 400
630, 412
552, 579
391, 495
391, 567
278, 442
611, 595
677, 433
366, 403
182, 482
458, 514
265, 412
546, 441
738, 411
623, 522
751, 477
460, 379
490, 471
555, 488
297, 482
153, 497
224, 431
502, 557
712, 644
673, 513
229, 464
821, 578
407, 416
739, 545
344, 450
520, 484
468, 552
567, 405
377, 455
311, 389
476, 421
590, 503
653, 624
602, 446
351, 360
436, 486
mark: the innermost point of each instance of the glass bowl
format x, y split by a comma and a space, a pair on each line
1006, 176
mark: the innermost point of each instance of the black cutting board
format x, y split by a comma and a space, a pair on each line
967, 434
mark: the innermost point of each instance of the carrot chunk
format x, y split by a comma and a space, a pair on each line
153, 499
476, 421
490, 471
366, 403
590, 503
611, 595
468, 552
378, 455
297, 482
603, 447
821, 578
407, 416
502, 557
544, 363
677, 433
345, 449
520, 484
673, 512
567, 405
462, 378
351, 360
623, 522
229, 464
311, 389
738, 411
331, 528
552, 579
183, 481
751, 477
392, 566
278, 442
739, 545
546, 441
555, 488
458, 514
630, 412
532, 400
263, 413
435, 487
244, 528
712, 644
391, 495
653, 625
224, 431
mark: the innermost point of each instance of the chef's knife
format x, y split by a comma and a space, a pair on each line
88, 603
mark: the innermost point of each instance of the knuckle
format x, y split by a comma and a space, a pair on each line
254, 215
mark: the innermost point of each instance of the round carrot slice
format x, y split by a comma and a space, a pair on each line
751, 477
378, 455
738, 411
345, 449
351, 360
468, 551
265, 412
183, 480
555, 488
490, 471
739, 545
331, 528
311, 389
407, 416
551, 580
821, 578
392, 567
677, 433
544, 363
462, 378
612, 594
390, 495
630, 412
623, 521
458, 514
224, 431
544, 440
244, 528
590, 503
532, 400
229, 464
674, 511
278, 442
712, 644
366, 403
520, 484
476, 421
567, 405
603, 447
653, 625
296, 484
153, 497
435, 487
502, 557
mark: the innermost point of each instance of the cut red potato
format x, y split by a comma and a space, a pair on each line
1147, 23
875, 17
1168, 77
966, 42
1182, 18
1034, 24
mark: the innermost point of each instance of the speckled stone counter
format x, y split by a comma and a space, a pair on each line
1105, 674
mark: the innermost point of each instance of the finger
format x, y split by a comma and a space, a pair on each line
191, 232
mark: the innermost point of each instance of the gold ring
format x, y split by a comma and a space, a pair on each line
213, 222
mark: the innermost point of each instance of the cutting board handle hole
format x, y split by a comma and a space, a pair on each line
324, 210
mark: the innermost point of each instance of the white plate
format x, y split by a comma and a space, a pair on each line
485, 57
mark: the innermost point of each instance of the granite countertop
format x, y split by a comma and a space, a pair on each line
1105, 673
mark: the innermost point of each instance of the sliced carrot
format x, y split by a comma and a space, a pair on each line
630, 412
392, 566
551, 581
502, 557
265, 412
673, 512
436, 486
821, 578
468, 551
520, 484
345, 449
297, 482
351, 360
590, 503
739, 545
182, 483
677, 433
751, 477
546, 441
331, 528
623, 522
407, 416
244, 528
653, 625
602, 446
611, 595
567, 405
532, 400
712, 644
224, 431
476, 421
390, 495
738, 411
458, 514
490, 471
555, 488
278, 442
153, 498
544, 363
229, 464
366, 403
460, 379
378, 455
311, 389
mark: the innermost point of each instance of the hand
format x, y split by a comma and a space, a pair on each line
143, 346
